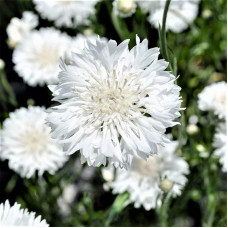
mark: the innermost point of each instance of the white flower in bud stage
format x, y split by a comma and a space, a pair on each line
181, 13
18, 29
66, 12
115, 103
15, 216
147, 181
220, 144
27, 143
213, 98
36, 59
124, 8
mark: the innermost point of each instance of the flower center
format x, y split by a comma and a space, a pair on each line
114, 96
34, 141
47, 57
147, 168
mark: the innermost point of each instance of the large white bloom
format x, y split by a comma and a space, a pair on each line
36, 59
15, 216
181, 13
27, 143
219, 143
213, 98
115, 103
124, 8
18, 29
66, 12
146, 181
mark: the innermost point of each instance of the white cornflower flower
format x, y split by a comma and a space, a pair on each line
124, 8
28, 145
15, 216
115, 104
219, 143
36, 59
78, 44
213, 98
18, 29
66, 12
147, 181
181, 13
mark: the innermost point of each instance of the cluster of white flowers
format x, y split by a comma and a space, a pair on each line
147, 181
213, 98
15, 216
18, 29
115, 103
36, 59
27, 143
66, 12
220, 144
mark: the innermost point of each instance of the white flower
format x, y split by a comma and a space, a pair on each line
213, 98
67, 198
78, 44
115, 104
66, 12
15, 216
37, 57
181, 13
18, 29
124, 8
219, 143
27, 143
146, 181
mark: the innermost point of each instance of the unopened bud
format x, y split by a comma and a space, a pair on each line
192, 129
207, 13
2, 64
125, 6
88, 32
166, 185
11, 43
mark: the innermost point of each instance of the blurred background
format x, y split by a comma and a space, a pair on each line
201, 54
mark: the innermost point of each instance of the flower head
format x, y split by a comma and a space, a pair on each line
36, 59
115, 103
15, 216
27, 143
219, 143
18, 29
181, 13
124, 8
213, 98
147, 181
66, 12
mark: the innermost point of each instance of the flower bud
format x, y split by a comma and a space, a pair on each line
2, 64
192, 129
166, 185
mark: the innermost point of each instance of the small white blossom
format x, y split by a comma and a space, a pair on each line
147, 181
27, 143
36, 59
18, 29
15, 216
124, 8
66, 12
115, 103
213, 98
181, 13
220, 144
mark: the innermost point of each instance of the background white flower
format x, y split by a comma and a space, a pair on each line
66, 12
18, 29
27, 143
213, 98
124, 8
116, 103
181, 13
146, 181
15, 216
36, 59
219, 143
